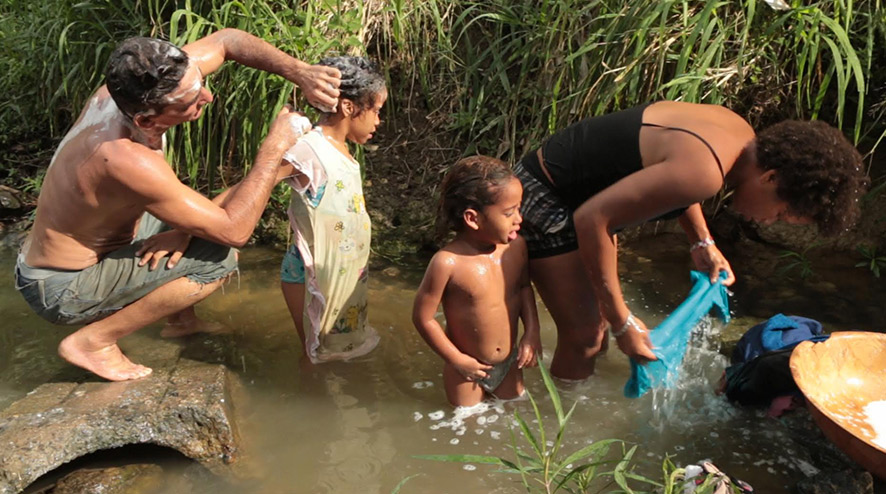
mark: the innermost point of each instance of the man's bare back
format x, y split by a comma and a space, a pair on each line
86, 209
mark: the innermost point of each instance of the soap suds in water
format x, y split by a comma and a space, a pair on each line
876, 411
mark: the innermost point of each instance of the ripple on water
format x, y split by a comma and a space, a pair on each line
316, 442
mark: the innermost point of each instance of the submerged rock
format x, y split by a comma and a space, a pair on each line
11, 201
188, 407
128, 479
845, 482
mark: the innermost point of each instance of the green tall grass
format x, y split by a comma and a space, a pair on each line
501, 73
511, 72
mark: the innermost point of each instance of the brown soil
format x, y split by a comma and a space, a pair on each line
403, 170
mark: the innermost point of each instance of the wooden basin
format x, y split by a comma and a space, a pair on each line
840, 377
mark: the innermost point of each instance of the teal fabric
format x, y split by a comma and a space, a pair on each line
292, 270
671, 337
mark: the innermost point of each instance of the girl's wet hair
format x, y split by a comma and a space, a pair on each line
472, 183
142, 72
361, 79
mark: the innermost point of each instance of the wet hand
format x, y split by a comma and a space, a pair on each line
289, 126
471, 368
635, 343
172, 243
712, 261
529, 351
320, 85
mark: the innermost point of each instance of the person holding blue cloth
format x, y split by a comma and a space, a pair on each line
657, 161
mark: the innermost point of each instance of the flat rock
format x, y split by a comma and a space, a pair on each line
188, 406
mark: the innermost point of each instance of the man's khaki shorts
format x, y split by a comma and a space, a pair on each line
82, 297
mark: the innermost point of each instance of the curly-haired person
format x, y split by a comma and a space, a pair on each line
655, 161
817, 171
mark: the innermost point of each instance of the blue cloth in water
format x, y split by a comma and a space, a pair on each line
671, 337
777, 333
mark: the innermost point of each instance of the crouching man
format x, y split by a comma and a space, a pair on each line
111, 208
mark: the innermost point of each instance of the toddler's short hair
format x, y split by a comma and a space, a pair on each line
471, 183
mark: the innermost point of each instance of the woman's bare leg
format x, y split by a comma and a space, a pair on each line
567, 293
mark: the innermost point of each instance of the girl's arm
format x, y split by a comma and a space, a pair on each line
427, 299
530, 343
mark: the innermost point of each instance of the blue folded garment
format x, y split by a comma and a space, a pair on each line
778, 332
671, 337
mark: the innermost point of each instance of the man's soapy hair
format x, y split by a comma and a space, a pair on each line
141, 73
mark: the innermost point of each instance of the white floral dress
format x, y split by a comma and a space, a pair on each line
332, 231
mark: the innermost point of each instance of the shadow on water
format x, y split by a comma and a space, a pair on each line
170, 470
356, 426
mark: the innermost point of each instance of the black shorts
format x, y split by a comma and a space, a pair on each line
547, 220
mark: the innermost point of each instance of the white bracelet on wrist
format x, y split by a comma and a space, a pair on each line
705, 242
629, 323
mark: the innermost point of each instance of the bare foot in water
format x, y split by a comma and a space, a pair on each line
107, 362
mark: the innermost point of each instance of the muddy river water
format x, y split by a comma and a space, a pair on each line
358, 426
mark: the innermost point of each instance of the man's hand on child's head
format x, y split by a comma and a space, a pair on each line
320, 84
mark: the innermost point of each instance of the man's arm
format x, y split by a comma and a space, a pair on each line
164, 196
284, 171
173, 243
320, 83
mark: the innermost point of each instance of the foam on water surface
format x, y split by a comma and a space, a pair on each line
876, 412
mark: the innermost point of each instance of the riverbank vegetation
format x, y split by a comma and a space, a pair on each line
465, 76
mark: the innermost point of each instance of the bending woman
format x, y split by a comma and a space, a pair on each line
659, 161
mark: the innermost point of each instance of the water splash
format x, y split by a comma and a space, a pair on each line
692, 401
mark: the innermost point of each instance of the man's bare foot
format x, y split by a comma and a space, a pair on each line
181, 328
186, 322
107, 362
